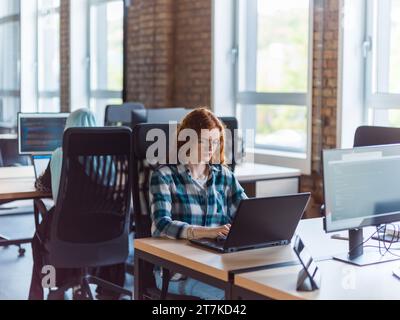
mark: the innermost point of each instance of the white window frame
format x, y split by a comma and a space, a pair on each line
378, 40
16, 93
98, 93
265, 154
45, 93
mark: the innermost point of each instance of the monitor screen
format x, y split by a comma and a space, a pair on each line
40, 133
362, 187
167, 115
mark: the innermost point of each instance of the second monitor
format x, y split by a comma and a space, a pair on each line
40, 133
362, 188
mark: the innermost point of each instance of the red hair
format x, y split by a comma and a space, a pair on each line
203, 119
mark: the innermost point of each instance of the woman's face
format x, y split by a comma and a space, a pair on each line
208, 145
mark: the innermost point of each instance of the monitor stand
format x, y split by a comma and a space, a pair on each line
360, 256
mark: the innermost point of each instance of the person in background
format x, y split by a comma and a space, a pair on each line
195, 200
49, 182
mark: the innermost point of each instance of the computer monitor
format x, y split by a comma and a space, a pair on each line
166, 115
361, 188
40, 133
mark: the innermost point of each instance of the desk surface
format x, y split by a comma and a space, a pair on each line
339, 281
18, 183
371, 282
254, 171
219, 265
8, 136
210, 263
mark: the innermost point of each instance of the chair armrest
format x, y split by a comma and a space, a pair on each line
40, 211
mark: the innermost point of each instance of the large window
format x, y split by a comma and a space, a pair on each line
273, 77
106, 54
40, 61
382, 50
48, 55
9, 64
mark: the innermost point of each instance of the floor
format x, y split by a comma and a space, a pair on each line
15, 272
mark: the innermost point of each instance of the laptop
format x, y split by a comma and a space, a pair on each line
260, 223
40, 164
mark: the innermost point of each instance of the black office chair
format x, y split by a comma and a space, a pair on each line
90, 226
142, 171
232, 126
138, 117
373, 136
121, 114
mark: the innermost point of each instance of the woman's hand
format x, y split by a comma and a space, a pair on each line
209, 233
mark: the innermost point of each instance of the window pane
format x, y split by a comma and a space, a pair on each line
9, 107
48, 4
9, 73
282, 127
276, 60
384, 117
395, 48
106, 46
9, 7
48, 49
386, 51
9, 64
49, 104
282, 47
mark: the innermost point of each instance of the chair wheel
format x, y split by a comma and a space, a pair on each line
79, 294
21, 252
56, 295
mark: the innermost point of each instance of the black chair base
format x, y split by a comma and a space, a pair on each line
6, 242
85, 292
155, 294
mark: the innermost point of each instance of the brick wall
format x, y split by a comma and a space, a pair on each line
65, 55
325, 70
193, 53
150, 52
169, 53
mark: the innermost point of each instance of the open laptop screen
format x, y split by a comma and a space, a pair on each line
40, 134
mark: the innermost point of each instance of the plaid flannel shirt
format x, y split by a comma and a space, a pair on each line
177, 203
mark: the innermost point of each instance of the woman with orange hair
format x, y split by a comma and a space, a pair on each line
198, 197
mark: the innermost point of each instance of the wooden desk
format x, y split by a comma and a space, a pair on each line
219, 269
18, 183
371, 282
180, 256
265, 181
339, 281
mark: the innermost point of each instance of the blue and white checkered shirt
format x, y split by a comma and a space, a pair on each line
177, 202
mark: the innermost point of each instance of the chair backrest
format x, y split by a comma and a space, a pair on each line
90, 226
121, 114
138, 117
232, 144
142, 170
372, 136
